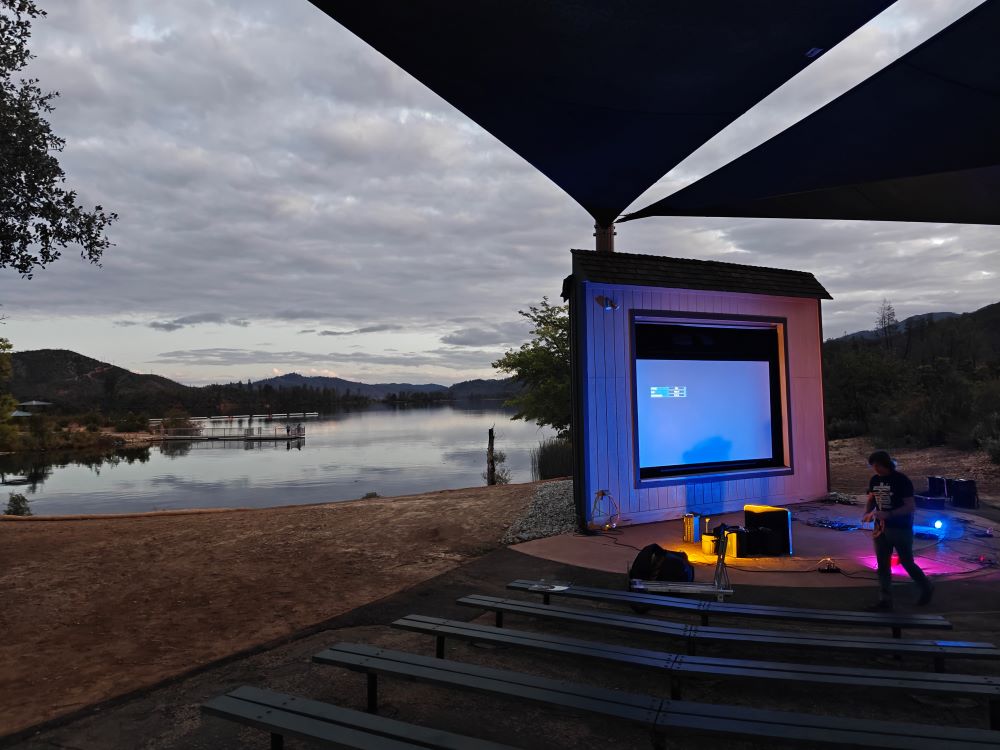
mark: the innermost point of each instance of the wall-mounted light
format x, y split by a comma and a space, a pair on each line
606, 302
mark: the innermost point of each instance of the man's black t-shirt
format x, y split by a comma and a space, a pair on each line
889, 494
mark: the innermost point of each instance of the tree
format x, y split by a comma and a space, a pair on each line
8, 433
38, 217
886, 323
542, 367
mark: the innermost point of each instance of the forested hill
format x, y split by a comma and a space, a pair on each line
77, 384
926, 381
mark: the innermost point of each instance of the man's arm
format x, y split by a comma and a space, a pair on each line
908, 508
869, 507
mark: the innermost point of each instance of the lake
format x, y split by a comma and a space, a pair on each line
391, 451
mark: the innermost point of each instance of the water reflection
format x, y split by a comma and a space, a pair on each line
30, 470
389, 449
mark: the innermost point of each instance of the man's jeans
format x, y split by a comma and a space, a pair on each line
902, 541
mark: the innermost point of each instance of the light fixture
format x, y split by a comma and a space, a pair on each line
606, 302
938, 524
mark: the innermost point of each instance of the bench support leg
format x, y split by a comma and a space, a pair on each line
675, 688
277, 742
994, 705
546, 599
372, 693
499, 619
692, 647
439, 647
938, 663
897, 632
659, 741
704, 618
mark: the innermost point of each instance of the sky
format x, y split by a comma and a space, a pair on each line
291, 201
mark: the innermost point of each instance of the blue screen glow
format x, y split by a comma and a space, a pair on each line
698, 411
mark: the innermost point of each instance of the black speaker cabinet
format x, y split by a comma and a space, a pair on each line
769, 528
964, 493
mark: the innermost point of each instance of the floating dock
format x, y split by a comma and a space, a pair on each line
232, 434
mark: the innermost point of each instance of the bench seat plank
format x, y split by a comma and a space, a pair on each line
705, 609
377, 725
667, 714
985, 685
286, 723
611, 618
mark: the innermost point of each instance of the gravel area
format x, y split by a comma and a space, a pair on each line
551, 512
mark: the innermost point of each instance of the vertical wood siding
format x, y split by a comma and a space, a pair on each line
609, 448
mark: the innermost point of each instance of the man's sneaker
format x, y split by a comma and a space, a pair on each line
926, 595
881, 606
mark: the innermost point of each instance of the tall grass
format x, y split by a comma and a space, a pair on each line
552, 458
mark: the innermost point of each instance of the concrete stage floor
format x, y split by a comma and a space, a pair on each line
955, 552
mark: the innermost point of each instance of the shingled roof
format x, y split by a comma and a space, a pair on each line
683, 273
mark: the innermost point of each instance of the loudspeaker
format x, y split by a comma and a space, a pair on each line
964, 493
771, 529
936, 487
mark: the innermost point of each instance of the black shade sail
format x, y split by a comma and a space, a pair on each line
603, 97
918, 141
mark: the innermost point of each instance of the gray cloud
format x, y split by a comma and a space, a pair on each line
354, 332
193, 320
485, 335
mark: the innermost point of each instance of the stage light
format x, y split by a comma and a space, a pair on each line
938, 524
607, 303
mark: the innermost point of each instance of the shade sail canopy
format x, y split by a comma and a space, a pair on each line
603, 98
918, 141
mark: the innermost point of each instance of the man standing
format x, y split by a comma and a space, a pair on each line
891, 506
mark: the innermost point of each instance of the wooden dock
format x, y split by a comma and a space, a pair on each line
286, 434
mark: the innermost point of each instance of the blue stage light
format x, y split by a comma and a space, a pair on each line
938, 524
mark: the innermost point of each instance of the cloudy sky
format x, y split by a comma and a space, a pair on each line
292, 201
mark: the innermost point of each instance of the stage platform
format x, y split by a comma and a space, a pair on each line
819, 530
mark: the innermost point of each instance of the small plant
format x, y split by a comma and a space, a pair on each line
17, 505
369, 495
501, 474
552, 458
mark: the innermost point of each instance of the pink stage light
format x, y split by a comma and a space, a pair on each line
931, 566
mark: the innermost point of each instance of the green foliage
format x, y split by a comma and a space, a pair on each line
552, 458
542, 367
17, 505
501, 474
132, 422
369, 496
918, 383
38, 217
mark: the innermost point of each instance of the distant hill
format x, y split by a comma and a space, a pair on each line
913, 320
468, 389
373, 391
75, 383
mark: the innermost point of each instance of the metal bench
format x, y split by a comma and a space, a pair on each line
678, 666
706, 609
662, 716
286, 715
937, 650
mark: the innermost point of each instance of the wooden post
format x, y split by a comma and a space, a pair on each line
491, 467
605, 238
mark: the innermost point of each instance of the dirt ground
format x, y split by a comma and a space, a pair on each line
94, 608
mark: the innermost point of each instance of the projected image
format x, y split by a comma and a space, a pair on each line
703, 412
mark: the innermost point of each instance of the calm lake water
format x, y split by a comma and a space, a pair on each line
344, 456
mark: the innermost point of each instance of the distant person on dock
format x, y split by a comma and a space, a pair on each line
891, 507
